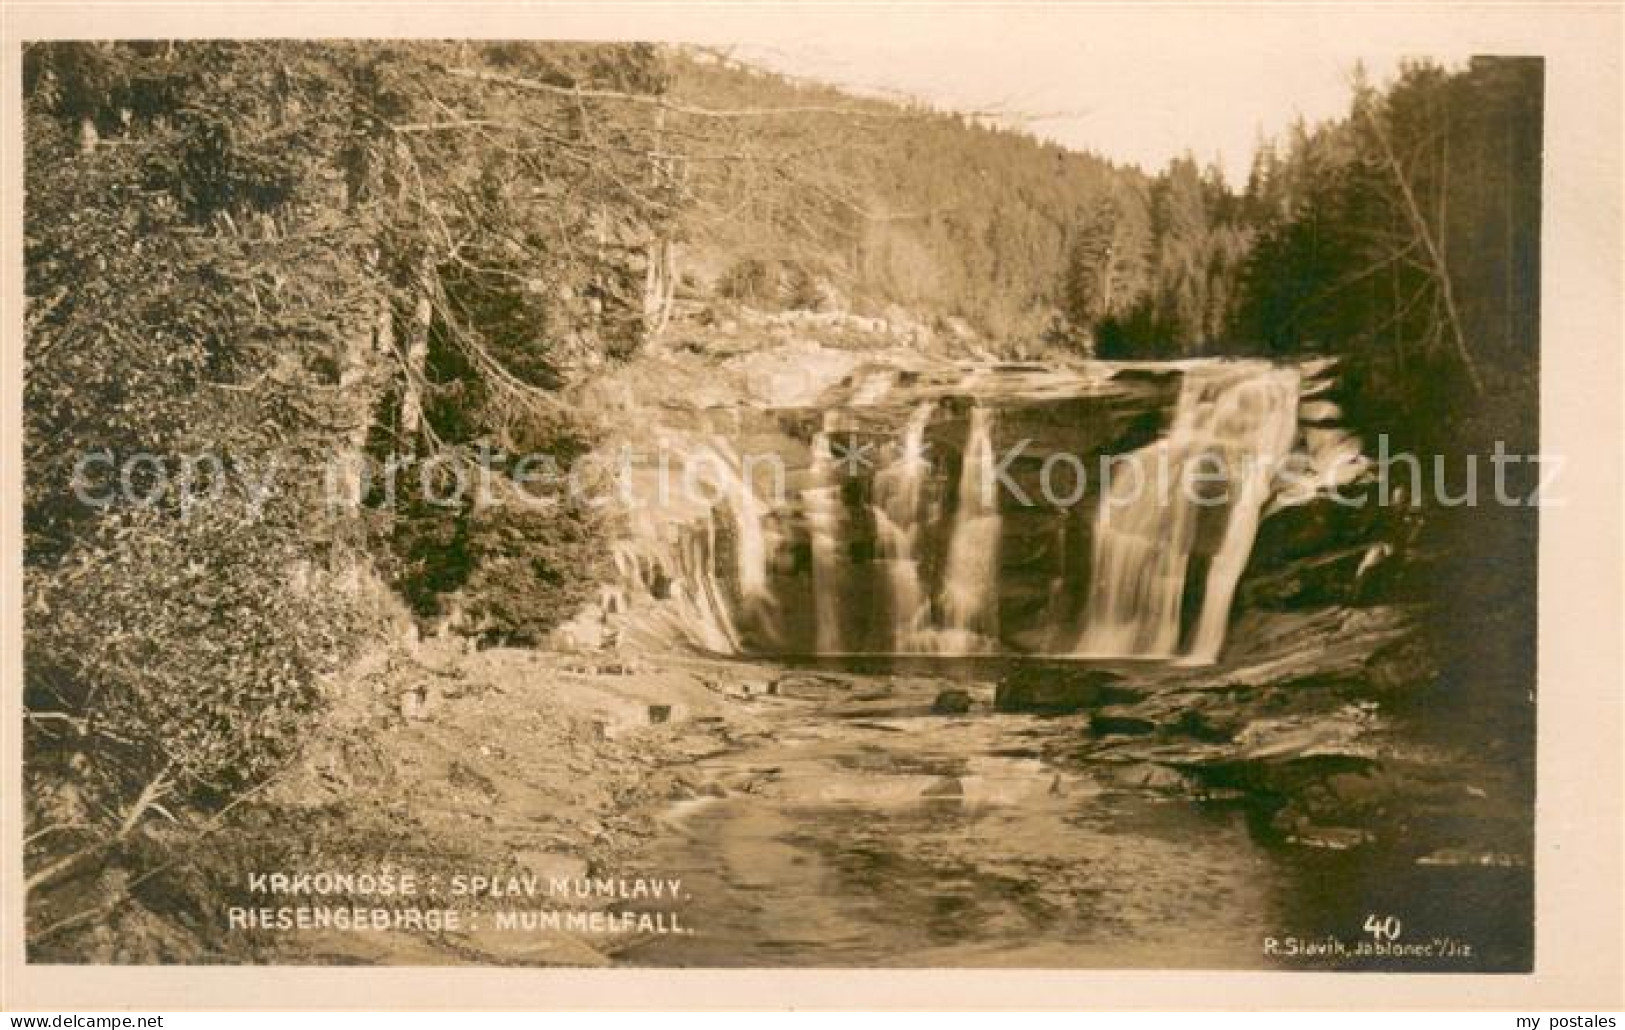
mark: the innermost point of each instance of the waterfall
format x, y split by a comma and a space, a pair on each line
821, 501
1231, 427
749, 519
898, 493
1254, 423
676, 536
701, 603
849, 554
1141, 549
971, 579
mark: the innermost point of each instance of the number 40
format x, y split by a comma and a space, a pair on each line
1383, 928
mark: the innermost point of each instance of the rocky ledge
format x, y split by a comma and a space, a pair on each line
1311, 721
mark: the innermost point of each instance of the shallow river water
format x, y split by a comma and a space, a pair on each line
862, 829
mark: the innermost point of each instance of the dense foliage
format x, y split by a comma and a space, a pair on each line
1406, 238
1404, 241
255, 263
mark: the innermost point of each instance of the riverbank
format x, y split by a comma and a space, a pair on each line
822, 816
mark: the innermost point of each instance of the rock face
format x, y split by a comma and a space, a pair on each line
1305, 724
586, 632
1104, 725
1055, 690
952, 702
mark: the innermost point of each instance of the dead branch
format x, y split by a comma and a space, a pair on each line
666, 103
1424, 233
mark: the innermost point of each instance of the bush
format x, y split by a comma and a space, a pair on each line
187, 651
535, 568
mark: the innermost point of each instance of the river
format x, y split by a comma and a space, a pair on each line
864, 830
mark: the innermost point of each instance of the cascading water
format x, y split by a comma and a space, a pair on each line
1207, 478
675, 551
899, 489
701, 603
1254, 424
903, 555
971, 579
821, 504
1141, 553
718, 470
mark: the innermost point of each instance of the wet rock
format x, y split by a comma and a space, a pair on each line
792, 373
946, 787
1464, 857
1145, 775
1103, 725
1329, 838
1407, 662
1202, 726
1361, 791
1325, 801
1288, 648
1319, 580
952, 702
1316, 527
807, 685
1048, 690
1147, 374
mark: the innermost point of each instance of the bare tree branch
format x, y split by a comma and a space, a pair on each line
1426, 237
667, 104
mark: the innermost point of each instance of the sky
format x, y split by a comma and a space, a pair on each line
1132, 96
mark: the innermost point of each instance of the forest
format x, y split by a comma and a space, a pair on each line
274, 251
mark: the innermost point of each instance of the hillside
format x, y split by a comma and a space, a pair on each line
884, 203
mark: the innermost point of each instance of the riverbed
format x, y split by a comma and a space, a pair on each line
863, 828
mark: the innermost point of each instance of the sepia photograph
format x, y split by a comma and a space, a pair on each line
798, 501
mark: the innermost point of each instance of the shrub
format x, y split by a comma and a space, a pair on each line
185, 650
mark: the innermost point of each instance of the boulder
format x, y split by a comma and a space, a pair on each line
1316, 527
585, 632
1203, 726
1054, 690
951, 702
1103, 725
1143, 776
1325, 579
